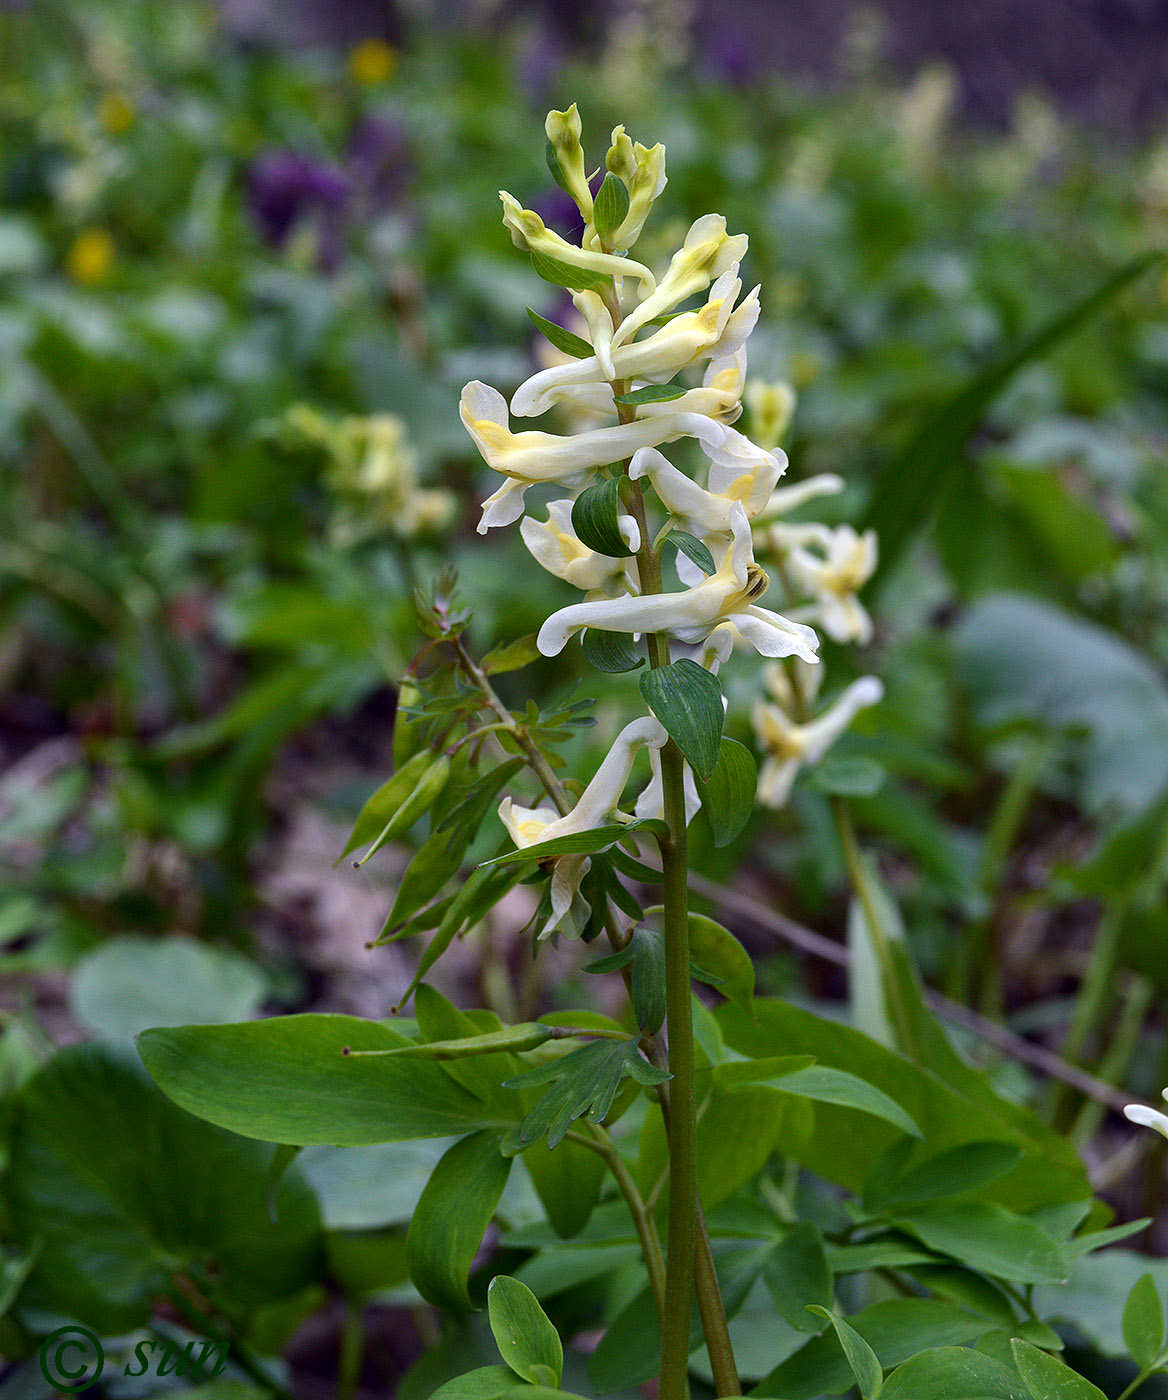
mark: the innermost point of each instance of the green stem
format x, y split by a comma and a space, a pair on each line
713, 1315
1094, 996
1137, 1001
352, 1355
682, 1236
1160, 1361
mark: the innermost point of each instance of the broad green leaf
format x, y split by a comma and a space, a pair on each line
580, 843
485, 1383
584, 1081
611, 206
651, 393
131, 983
688, 701
452, 1215
845, 1145
728, 796
512, 657
952, 1173
953, 1373
562, 274
988, 1238
693, 549
861, 1357
822, 1084
289, 1080
715, 951
527, 1341
123, 1192
563, 340
910, 487
1143, 1323
797, 1275
612, 652
648, 980
595, 518
895, 1330
1048, 1378
567, 1182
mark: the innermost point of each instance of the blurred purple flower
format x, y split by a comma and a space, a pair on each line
378, 158
558, 211
732, 57
283, 186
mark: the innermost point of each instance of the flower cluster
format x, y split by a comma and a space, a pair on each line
714, 502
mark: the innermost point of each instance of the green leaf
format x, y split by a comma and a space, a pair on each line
651, 393
568, 1182
861, 1357
797, 1276
612, 652
581, 842
288, 1080
131, 983
910, 487
421, 798
610, 207
123, 1192
988, 1238
1143, 1323
562, 274
563, 340
896, 1330
512, 657
688, 701
952, 1373
1048, 1378
847, 776
729, 794
483, 1383
583, 1081
388, 798
824, 1085
648, 981
613, 962
525, 1035
692, 548
717, 953
527, 1341
452, 1216
952, 1173
595, 519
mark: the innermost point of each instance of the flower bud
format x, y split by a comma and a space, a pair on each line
565, 157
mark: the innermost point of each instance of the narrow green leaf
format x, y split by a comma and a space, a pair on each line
581, 842
1143, 1323
613, 962
797, 1275
648, 989
692, 548
525, 1035
1048, 1378
553, 164
512, 657
385, 802
847, 776
651, 393
952, 1173
861, 1357
909, 489
562, 274
826, 1085
424, 795
526, 1339
453, 1213
595, 519
611, 206
729, 794
612, 652
718, 953
688, 701
563, 340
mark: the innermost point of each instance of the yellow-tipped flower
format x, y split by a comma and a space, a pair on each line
772, 406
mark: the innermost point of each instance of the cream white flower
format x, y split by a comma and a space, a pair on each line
554, 544
772, 406
790, 746
1148, 1117
726, 597
834, 578
597, 806
651, 803
643, 171
563, 132
785, 499
708, 252
717, 328
528, 231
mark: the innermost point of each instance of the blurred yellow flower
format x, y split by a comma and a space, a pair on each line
372, 61
116, 113
90, 258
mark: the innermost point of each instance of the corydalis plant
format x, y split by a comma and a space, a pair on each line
663, 551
